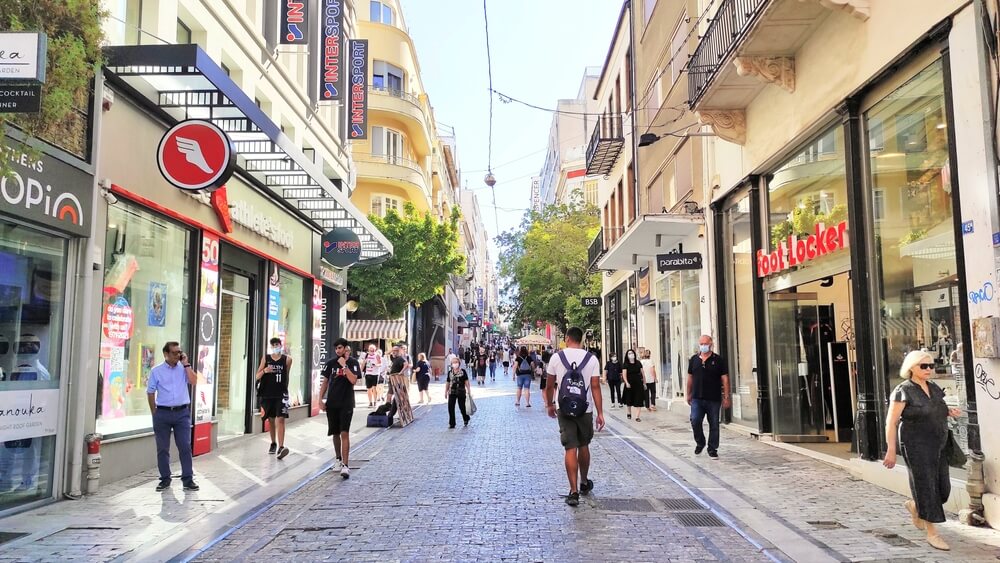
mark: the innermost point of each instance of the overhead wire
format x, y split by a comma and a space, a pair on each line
489, 154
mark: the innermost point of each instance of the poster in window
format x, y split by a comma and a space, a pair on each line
157, 310
147, 359
114, 386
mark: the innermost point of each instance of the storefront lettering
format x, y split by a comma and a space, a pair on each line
118, 320
30, 193
244, 215
796, 251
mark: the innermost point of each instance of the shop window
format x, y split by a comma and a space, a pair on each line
739, 276
383, 204
147, 288
291, 329
678, 301
381, 13
917, 270
32, 285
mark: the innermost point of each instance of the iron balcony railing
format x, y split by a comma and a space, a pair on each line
595, 251
396, 93
606, 144
728, 29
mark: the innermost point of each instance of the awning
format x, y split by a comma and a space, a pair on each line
362, 330
648, 236
185, 83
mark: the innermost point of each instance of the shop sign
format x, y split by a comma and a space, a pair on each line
358, 118
28, 413
20, 98
796, 251
536, 193
118, 320
47, 191
22, 56
337, 278
196, 155
591, 301
644, 293
205, 363
331, 57
678, 261
294, 23
318, 355
340, 247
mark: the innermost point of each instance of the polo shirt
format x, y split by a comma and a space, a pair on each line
170, 385
706, 377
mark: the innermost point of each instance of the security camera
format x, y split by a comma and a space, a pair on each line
107, 194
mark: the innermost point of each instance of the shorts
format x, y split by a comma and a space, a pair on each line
423, 383
338, 420
371, 381
506, 364
524, 381
576, 431
274, 407
541, 382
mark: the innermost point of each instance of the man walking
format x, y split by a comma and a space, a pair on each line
707, 393
339, 376
272, 389
576, 432
170, 405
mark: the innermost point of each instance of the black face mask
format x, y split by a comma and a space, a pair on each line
29, 347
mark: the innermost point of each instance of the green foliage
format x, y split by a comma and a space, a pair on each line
74, 35
544, 262
803, 219
425, 253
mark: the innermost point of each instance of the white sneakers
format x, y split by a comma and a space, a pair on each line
345, 472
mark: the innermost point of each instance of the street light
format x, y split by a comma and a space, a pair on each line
647, 139
490, 179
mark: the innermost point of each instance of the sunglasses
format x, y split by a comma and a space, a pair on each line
926, 366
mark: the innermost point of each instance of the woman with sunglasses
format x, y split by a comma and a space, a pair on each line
918, 411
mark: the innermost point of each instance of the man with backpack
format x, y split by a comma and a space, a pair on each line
523, 372
576, 374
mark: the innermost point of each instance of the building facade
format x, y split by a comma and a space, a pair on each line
564, 170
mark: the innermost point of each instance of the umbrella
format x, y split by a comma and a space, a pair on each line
533, 340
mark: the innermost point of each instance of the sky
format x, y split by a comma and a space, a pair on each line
540, 49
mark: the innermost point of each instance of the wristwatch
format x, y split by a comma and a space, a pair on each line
187, 366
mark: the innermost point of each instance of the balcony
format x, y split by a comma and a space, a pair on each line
395, 171
595, 251
606, 145
403, 106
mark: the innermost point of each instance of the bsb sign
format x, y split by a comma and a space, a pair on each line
795, 251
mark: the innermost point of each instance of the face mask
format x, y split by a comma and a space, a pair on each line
704, 348
455, 366
276, 350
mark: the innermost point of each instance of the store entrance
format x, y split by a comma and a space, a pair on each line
811, 359
235, 353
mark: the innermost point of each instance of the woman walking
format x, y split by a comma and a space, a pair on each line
422, 371
506, 361
457, 387
523, 371
649, 378
917, 408
373, 367
493, 365
635, 389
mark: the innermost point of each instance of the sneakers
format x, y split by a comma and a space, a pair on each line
345, 472
586, 487
637, 419
282, 452
273, 449
573, 499
713, 454
698, 450
337, 464
467, 421
191, 486
163, 485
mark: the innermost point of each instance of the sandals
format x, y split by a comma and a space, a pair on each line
911, 506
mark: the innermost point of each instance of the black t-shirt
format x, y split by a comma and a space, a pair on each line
481, 359
424, 370
457, 382
340, 393
274, 385
614, 370
397, 364
706, 377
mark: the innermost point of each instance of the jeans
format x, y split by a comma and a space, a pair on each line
493, 371
452, 399
616, 391
165, 421
699, 408
650, 394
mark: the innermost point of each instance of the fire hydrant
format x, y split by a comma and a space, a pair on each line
93, 462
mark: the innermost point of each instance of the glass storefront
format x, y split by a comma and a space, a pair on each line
292, 331
739, 277
32, 286
147, 289
678, 302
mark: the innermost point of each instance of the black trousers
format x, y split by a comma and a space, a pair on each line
616, 391
452, 399
650, 394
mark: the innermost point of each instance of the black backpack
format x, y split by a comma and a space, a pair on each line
573, 390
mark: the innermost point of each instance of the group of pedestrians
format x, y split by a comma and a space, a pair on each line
639, 377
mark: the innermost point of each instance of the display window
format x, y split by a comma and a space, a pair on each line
678, 301
146, 302
32, 288
739, 278
291, 329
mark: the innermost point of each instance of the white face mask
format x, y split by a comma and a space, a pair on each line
456, 366
276, 350
704, 348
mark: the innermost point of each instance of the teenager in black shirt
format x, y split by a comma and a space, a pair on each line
339, 376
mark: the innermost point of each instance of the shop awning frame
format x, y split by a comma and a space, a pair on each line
183, 82
648, 236
362, 330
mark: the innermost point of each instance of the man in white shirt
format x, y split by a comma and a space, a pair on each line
576, 432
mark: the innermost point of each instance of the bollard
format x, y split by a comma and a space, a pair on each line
93, 462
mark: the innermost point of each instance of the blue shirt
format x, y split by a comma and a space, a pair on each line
170, 385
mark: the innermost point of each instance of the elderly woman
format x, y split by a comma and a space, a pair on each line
422, 371
923, 436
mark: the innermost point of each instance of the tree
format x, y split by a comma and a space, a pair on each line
544, 262
425, 253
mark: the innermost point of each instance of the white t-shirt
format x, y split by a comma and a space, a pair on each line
591, 370
647, 370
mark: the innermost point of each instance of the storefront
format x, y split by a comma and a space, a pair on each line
46, 209
842, 255
678, 314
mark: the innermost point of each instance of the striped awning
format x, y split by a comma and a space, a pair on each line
362, 330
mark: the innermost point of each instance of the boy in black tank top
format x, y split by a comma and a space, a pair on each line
272, 391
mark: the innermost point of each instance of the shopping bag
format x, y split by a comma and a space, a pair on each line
470, 405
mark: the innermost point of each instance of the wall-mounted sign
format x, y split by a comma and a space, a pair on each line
358, 108
28, 413
591, 301
20, 98
294, 23
340, 247
22, 56
796, 251
536, 194
643, 287
47, 191
678, 261
331, 58
338, 278
208, 337
196, 155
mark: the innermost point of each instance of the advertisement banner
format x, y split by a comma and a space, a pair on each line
28, 413
331, 77
357, 117
208, 336
645, 295
294, 23
317, 345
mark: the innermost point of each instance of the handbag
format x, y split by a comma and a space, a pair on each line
470, 405
956, 457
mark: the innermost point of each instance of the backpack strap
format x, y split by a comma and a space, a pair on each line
565, 361
586, 359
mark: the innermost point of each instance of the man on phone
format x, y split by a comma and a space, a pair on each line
272, 391
339, 376
170, 404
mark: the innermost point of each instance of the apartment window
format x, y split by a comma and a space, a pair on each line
647, 10
679, 49
383, 204
386, 76
631, 193
381, 13
388, 143
654, 196
184, 35
590, 192
628, 81
607, 224
620, 223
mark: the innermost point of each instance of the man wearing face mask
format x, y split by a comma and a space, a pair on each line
272, 388
708, 394
339, 376
613, 377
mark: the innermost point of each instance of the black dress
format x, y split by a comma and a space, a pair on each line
635, 395
923, 435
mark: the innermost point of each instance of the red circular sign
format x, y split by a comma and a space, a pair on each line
196, 155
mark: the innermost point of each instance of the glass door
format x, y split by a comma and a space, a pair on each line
796, 379
234, 355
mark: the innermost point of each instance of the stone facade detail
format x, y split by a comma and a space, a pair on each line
860, 9
774, 70
729, 125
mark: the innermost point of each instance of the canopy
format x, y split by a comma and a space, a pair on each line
533, 340
362, 330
